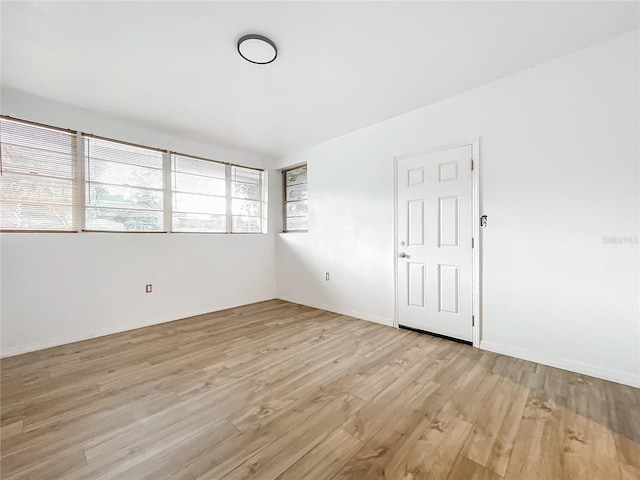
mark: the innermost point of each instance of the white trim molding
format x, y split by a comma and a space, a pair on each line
341, 311
582, 368
59, 341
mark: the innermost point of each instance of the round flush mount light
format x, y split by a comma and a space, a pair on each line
257, 49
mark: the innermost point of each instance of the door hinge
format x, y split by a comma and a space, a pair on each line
473, 321
473, 242
472, 164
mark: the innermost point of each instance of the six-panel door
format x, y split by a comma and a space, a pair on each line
435, 261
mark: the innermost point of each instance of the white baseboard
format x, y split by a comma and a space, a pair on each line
564, 363
342, 311
56, 342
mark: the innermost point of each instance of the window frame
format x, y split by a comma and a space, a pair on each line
285, 201
86, 181
262, 200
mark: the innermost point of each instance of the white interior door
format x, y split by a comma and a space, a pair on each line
435, 256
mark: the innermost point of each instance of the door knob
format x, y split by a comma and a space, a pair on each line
403, 255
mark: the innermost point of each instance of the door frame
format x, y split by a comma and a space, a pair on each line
476, 278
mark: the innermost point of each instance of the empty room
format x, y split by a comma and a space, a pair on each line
320, 240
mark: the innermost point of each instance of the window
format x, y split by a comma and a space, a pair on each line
37, 181
124, 187
203, 197
53, 179
199, 195
246, 200
295, 199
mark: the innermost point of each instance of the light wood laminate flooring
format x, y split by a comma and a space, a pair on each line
276, 390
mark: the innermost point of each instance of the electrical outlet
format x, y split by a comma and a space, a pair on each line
326, 276
148, 288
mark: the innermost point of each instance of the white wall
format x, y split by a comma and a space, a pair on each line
560, 171
61, 287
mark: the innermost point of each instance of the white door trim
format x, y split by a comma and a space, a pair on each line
477, 250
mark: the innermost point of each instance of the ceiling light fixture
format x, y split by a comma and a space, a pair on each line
257, 49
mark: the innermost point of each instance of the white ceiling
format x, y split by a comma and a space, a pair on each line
173, 66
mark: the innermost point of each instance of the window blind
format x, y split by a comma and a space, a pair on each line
199, 194
37, 177
246, 200
123, 187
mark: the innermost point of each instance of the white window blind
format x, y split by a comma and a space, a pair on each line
123, 187
295, 201
246, 200
199, 193
37, 181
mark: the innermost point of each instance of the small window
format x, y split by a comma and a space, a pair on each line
123, 187
246, 200
37, 177
295, 199
199, 193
